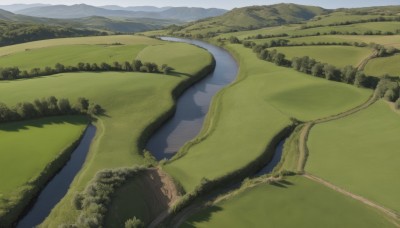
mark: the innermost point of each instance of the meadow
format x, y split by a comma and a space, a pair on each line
246, 116
360, 154
339, 56
294, 202
71, 55
27, 147
137, 101
381, 66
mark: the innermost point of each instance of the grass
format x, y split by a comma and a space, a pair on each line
247, 115
27, 147
360, 153
382, 66
297, 202
132, 101
71, 55
339, 56
104, 40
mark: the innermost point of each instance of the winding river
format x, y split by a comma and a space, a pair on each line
56, 189
192, 107
193, 104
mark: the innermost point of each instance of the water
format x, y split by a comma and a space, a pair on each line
193, 104
275, 159
56, 189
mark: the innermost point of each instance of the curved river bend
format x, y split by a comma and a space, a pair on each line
193, 104
192, 107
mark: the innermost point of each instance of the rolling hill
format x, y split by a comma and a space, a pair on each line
17, 7
257, 17
83, 10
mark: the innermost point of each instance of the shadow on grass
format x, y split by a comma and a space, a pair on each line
203, 216
41, 122
282, 183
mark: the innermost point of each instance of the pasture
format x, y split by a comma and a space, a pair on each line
137, 100
381, 66
339, 56
246, 116
27, 147
360, 153
71, 55
295, 202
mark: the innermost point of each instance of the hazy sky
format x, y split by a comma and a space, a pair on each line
228, 4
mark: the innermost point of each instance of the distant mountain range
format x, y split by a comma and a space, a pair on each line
83, 10
17, 7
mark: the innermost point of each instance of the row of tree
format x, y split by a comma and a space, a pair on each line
50, 106
310, 66
377, 19
389, 89
11, 73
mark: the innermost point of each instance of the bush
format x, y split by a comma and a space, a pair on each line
397, 104
389, 95
134, 223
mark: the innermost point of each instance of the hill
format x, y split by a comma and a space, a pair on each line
82, 10
17, 7
136, 8
257, 17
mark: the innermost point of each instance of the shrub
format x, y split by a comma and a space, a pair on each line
397, 104
134, 223
389, 95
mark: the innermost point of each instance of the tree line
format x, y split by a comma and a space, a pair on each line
11, 73
388, 88
378, 19
49, 106
348, 74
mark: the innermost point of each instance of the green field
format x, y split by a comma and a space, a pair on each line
27, 147
339, 56
339, 17
258, 106
137, 100
360, 153
71, 55
387, 65
297, 202
101, 40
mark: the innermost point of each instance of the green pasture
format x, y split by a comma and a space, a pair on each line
71, 55
339, 56
132, 101
101, 40
247, 115
27, 147
340, 17
381, 66
295, 202
360, 153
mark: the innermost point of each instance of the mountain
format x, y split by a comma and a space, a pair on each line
82, 10
253, 17
17, 7
136, 8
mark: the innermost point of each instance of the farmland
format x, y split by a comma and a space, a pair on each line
331, 142
339, 56
382, 66
275, 93
271, 204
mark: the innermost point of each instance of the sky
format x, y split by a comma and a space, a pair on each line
226, 4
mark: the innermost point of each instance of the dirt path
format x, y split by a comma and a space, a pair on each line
305, 131
393, 215
363, 63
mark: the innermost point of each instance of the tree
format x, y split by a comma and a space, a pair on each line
127, 66
134, 223
42, 106
64, 106
234, 40
53, 104
317, 70
136, 65
5, 113
26, 110
349, 74
83, 105
81, 66
360, 80
95, 109
105, 67
35, 72
279, 59
60, 68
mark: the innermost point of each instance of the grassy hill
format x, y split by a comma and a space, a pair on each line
256, 17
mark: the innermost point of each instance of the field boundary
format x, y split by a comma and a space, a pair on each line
395, 217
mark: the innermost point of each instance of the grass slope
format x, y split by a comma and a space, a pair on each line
298, 202
123, 39
71, 55
360, 153
339, 56
248, 114
380, 66
27, 147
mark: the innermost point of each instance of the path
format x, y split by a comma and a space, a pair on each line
363, 63
361, 199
